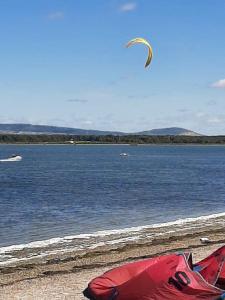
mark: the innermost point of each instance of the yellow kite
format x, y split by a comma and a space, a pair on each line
142, 41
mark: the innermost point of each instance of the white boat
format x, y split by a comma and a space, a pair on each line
12, 158
124, 154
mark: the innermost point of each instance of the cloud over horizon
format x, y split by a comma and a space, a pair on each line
129, 6
219, 84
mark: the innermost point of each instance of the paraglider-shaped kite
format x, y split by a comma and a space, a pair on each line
145, 42
167, 277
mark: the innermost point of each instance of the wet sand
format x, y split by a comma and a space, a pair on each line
67, 277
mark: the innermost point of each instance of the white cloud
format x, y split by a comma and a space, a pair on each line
211, 102
130, 6
216, 120
183, 110
200, 114
8, 119
87, 122
57, 15
77, 100
219, 84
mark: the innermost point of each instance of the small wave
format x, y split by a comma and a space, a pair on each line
36, 244
105, 233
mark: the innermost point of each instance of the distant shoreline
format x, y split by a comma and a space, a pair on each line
112, 144
132, 140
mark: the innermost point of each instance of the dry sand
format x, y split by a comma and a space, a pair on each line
66, 279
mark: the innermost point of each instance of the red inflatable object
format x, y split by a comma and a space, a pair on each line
168, 277
212, 268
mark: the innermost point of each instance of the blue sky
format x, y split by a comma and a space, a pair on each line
63, 62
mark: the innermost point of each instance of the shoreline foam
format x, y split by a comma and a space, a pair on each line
108, 240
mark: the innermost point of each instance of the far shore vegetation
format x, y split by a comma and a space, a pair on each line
108, 139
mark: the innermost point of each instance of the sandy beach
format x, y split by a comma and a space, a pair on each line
112, 150
67, 277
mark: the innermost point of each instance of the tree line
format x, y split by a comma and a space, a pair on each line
108, 139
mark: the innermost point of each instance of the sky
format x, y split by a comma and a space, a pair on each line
64, 63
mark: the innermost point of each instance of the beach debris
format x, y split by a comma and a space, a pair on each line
205, 240
145, 42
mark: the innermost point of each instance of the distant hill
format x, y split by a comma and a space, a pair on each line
170, 131
45, 129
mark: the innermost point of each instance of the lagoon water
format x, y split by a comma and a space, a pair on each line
64, 190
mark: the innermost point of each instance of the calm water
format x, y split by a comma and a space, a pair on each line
63, 190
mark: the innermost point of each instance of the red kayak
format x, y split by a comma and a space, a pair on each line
167, 277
